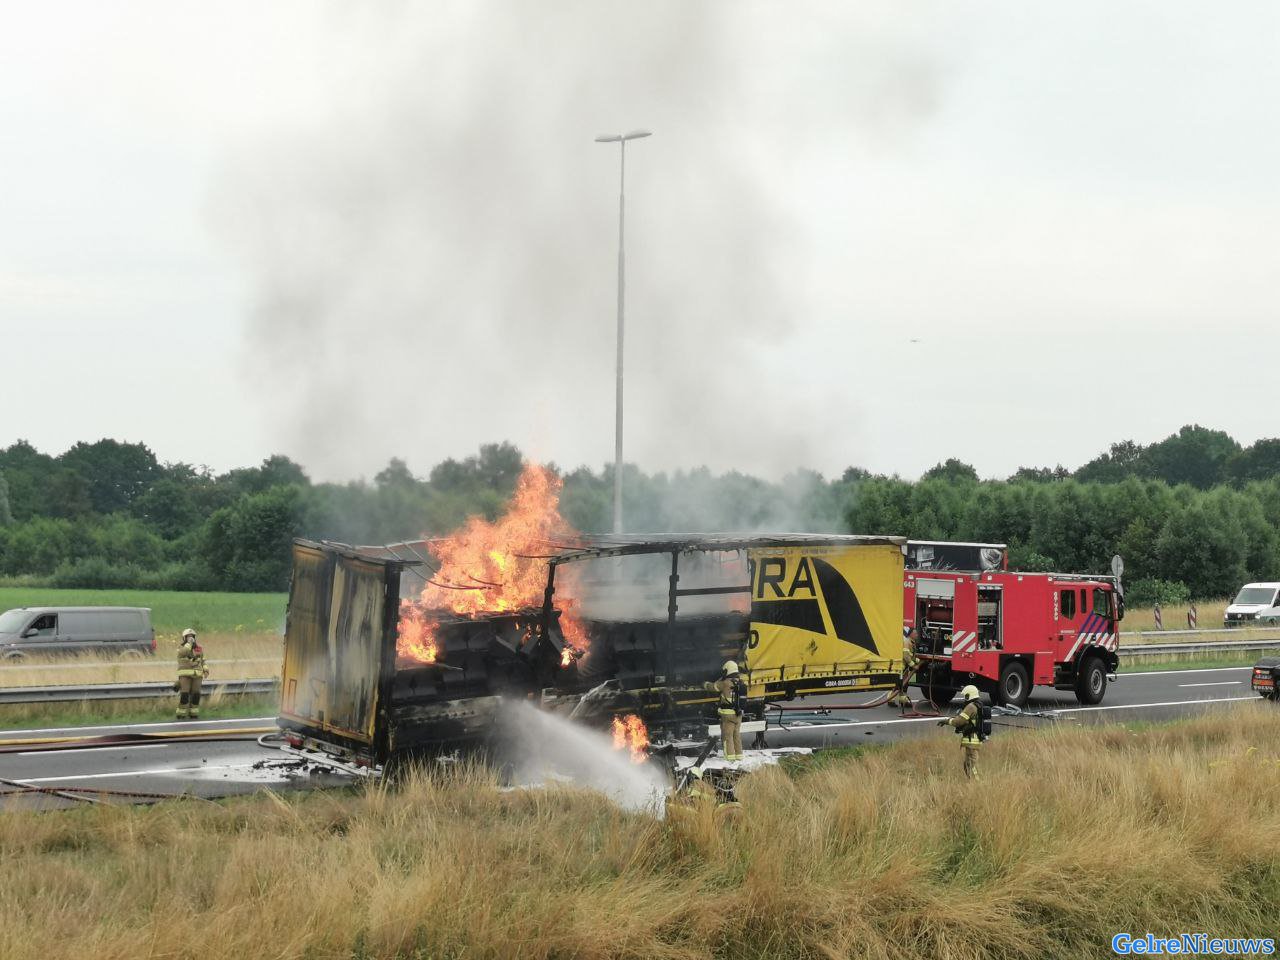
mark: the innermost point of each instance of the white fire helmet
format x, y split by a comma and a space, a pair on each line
188, 634
970, 693
730, 668
695, 772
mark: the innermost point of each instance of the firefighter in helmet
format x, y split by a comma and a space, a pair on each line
696, 788
968, 723
191, 674
696, 794
909, 664
731, 692
689, 796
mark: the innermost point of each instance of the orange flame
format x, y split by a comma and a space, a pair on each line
489, 567
630, 733
415, 639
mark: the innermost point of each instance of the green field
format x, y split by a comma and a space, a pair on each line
171, 611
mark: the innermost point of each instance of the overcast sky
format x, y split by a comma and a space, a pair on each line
871, 233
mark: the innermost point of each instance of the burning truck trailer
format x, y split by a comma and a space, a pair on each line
626, 628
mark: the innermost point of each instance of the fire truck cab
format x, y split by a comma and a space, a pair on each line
1008, 632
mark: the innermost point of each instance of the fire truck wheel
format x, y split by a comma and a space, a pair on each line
1091, 682
1015, 685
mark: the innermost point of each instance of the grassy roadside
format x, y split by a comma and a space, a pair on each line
30, 716
888, 854
172, 611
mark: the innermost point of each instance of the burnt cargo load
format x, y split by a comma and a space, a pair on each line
631, 626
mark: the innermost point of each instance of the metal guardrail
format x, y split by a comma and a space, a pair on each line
9, 667
67, 693
1199, 630
1214, 646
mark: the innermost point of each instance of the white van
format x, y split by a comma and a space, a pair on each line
1255, 603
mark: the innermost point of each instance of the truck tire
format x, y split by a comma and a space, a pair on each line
1014, 688
1091, 681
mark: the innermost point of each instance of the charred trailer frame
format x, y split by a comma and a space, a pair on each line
346, 697
339, 653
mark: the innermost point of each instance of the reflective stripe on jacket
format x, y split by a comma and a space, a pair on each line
730, 691
698, 790
966, 721
190, 660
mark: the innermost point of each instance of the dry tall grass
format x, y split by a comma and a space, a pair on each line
1209, 614
232, 656
215, 706
1072, 836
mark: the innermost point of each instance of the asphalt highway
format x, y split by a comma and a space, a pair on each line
117, 763
223, 758
1147, 697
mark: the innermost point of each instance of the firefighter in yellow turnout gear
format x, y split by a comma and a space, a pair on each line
731, 690
191, 674
909, 664
697, 789
967, 724
697, 793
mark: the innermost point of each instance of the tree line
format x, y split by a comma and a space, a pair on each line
1193, 515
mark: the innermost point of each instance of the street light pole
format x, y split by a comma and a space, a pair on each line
620, 139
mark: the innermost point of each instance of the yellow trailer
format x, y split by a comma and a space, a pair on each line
825, 616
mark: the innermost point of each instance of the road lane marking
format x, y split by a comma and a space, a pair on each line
1140, 706
116, 775
1168, 673
1215, 683
1120, 706
82, 731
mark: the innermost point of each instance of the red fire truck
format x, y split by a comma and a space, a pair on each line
1007, 632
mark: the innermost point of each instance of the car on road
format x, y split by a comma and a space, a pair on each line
1255, 603
1266, 678
111, 631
